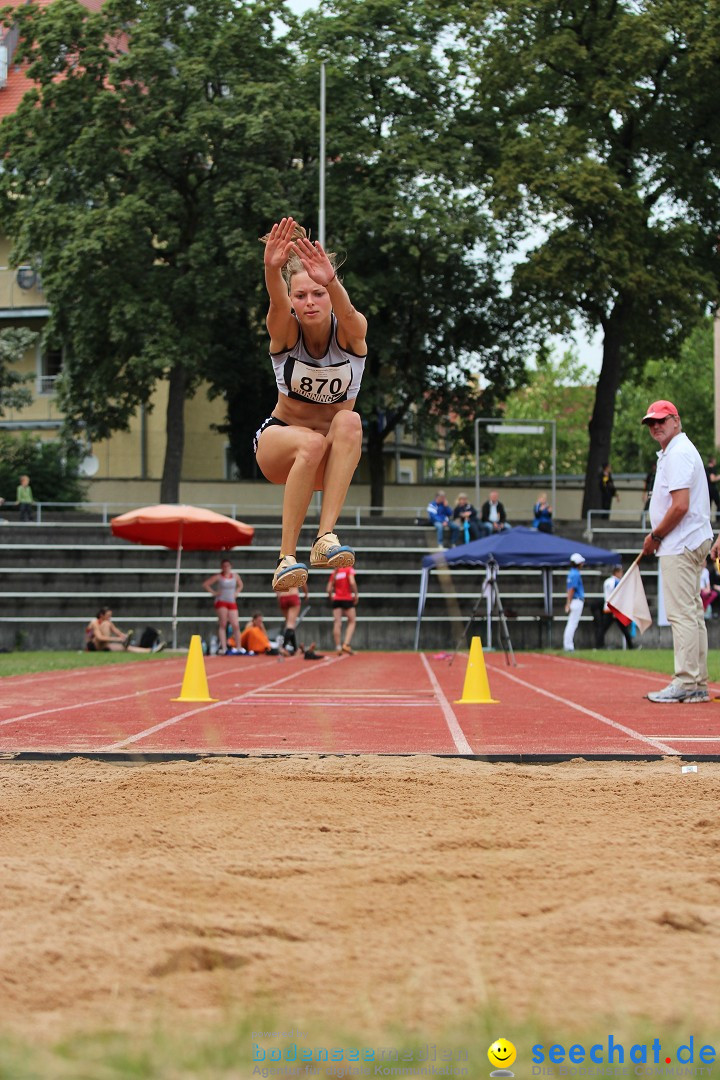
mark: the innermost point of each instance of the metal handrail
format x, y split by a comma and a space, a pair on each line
605, 516
109, 509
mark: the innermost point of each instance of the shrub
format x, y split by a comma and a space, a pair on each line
51, 466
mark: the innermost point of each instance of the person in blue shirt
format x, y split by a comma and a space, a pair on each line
575, 600
440, 514
542, 512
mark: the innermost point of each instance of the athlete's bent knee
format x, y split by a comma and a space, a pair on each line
312, 449
346, 425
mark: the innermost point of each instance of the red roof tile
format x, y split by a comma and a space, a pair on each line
17, 81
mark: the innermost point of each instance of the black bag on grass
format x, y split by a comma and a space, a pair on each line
150, 637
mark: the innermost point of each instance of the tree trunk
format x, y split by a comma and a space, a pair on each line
376, 463
175, 436
601, 423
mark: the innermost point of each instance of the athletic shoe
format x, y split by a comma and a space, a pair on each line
128, 638
329, 553
672, 694
696, 696
159, 646
290, 574
346, 649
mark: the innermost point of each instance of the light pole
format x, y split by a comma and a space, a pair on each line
321, 170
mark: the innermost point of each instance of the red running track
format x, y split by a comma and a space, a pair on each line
373, 703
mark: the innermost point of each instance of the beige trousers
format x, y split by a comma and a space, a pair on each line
684, 610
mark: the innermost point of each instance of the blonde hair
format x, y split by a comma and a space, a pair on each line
294, 264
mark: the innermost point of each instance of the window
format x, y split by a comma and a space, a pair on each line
51, 365
231, 470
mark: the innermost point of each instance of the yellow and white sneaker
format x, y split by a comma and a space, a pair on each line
328, 552
290, 574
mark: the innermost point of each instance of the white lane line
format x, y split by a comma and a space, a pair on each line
158, 727
650, 740
339, 703
458, 736
630, 673
368, 695
207, 708
120, 697
87, 704
687, 738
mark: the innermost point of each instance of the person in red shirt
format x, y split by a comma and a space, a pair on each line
343, 592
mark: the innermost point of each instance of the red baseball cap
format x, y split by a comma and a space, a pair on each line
658, 410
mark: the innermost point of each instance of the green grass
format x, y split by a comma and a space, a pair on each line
226, 1051
25, 663
661, 660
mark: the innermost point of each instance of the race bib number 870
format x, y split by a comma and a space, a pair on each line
323, 385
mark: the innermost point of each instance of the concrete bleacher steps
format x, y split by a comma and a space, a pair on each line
55, 575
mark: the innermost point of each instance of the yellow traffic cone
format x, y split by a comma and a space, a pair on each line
195, 684
476, 690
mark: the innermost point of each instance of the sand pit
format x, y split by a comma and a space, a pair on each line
358, 891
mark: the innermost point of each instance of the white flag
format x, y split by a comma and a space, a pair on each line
628, 601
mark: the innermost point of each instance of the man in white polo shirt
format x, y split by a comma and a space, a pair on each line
681, 536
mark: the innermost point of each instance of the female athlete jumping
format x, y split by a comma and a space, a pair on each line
313, 439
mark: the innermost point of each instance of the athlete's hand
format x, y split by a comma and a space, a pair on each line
279, 242
315, 261
715, 549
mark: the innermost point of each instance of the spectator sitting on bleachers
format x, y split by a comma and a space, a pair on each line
466, 516
440, 514
493, 515
542, 512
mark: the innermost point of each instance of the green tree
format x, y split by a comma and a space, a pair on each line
594, 125
145, 163
14, 394
51, 465
688, 381
562, 390
421, 252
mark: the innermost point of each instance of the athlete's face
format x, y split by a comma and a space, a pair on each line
311, 301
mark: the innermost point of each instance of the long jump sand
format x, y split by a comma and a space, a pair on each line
359, 891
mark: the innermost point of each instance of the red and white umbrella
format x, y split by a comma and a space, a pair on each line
181, 528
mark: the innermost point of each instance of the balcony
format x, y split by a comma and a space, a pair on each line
45, 384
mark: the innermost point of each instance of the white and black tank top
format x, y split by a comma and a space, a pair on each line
334, 377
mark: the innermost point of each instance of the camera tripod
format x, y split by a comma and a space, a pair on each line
493, 605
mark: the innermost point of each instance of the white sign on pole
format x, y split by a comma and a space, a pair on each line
516, 429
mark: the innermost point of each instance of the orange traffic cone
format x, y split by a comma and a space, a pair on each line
195, 684
476, 690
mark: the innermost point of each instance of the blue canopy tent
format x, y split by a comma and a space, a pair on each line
514, 547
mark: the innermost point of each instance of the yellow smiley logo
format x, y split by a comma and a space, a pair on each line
502, 1054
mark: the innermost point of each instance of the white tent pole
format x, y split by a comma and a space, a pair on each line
421, 603
177, 589
487, 589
